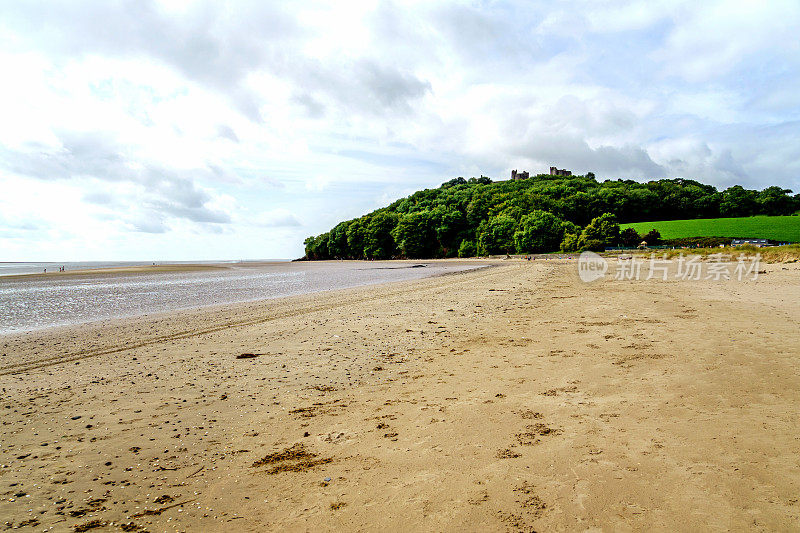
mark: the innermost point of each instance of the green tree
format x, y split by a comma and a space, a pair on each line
775, 201
355, 238
337, 242
455, 181
630, 238
570, 242
414, 235
497, 236
467, 249
483, 213
652, 238
738, 202
594, 245
447, 225
378, 240
478, 208
569, 227
539, 231
600, 232
317, 247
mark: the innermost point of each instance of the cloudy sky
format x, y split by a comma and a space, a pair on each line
206, 130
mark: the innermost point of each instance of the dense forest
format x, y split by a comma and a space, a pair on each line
540, 214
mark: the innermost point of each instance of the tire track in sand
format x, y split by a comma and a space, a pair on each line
477, 274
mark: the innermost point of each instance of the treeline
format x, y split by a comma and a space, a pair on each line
541, 214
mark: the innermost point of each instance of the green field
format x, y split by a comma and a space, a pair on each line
786, 228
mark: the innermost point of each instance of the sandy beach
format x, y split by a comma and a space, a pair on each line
511, 398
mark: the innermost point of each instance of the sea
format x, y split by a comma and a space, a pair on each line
38, 302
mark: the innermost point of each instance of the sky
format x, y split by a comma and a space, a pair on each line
179, 130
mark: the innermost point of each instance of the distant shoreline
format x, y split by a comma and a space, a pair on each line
112, 271
192, 267
134, 267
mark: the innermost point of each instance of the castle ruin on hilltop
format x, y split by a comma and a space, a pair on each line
554, 171
563, 172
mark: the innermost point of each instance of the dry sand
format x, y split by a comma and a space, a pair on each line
510, 398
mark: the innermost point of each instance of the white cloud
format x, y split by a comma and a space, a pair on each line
179, 130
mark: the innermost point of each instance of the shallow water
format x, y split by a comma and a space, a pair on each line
10, 269
34, 303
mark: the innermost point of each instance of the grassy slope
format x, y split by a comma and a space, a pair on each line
786, 228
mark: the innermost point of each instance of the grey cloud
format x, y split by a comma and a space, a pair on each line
314, 108
280, 218
471, 27
725, 162
212, 44
195, 214
574, 153
226, 132
98, 198
287, 222
180, 191
25, 225
628, 160
217, 46
150, 225
389, 86
79, 155
218, 230
363, 85
167, 192
482, 37
720, 169
223, 174
482, 41
246, 103
596, 117
731, 154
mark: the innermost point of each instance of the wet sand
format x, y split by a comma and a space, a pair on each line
510, 398
119, 271
35, 302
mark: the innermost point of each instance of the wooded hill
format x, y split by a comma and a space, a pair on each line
540, 214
